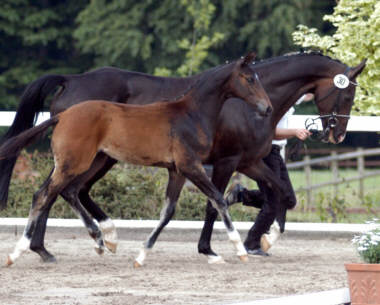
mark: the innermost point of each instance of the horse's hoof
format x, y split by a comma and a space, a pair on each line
136, 265
9, 262
50, 260
111, 246
215, 259
244, 258
99, 251
265, 244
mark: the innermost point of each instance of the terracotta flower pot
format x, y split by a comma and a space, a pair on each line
364, 281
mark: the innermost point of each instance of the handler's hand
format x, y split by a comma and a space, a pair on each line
302, 134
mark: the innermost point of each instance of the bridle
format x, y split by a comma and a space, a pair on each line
333, 118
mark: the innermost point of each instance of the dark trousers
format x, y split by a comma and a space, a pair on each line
271, 204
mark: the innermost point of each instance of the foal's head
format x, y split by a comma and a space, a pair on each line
334, 97
245, 84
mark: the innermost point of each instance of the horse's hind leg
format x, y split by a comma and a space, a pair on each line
173, 190
43, 199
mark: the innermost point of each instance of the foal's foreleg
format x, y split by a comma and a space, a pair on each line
196, 174
173, 190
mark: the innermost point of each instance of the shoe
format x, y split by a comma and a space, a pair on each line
257, 251
234, 194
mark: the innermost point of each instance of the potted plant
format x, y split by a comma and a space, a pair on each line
364, 278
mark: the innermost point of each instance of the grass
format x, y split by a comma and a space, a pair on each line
346, 207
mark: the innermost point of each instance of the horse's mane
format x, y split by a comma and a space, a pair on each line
286, 56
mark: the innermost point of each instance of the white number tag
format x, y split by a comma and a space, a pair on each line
341, 81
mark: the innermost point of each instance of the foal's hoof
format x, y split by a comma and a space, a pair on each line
136, 265
264, 243
215, 259
244, 258
9, 262
111, 246
99, 251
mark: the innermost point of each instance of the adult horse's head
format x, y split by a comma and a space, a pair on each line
245, 84
334, 97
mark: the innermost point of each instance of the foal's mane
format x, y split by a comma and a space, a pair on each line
205, 74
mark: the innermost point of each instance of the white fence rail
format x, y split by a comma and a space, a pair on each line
356, 123
333, 160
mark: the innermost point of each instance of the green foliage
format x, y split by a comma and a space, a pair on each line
201, 12
35, 39
368, 244
331, 209
41, 37
357, 36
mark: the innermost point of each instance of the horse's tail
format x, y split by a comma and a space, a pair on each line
13, 146
31, 104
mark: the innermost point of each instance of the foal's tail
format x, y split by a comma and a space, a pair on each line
31, 104
13, 146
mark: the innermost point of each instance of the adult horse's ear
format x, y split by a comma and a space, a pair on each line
357, 70
249, 58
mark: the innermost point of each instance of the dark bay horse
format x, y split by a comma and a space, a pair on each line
176, 135
242, 137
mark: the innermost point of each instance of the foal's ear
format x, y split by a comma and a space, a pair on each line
249, 58
355, 71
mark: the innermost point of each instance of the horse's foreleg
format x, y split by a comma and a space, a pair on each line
173, 190
222, 172
196, 174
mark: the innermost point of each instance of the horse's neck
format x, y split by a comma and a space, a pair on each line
287, 80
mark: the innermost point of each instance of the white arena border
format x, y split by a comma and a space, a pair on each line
329, 297
180, 224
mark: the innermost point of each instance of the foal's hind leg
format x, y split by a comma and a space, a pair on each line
101, 165
70, 194
196, 174
42, 201
173, 190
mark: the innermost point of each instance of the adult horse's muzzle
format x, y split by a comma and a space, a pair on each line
334, 131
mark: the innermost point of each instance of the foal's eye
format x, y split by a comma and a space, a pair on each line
251, 80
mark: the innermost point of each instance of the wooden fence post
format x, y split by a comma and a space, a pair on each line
309, 197
335, 173
361, 173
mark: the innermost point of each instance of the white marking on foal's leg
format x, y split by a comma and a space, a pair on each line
234, 237
109, 234
268, 240
22, 245
139, 261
